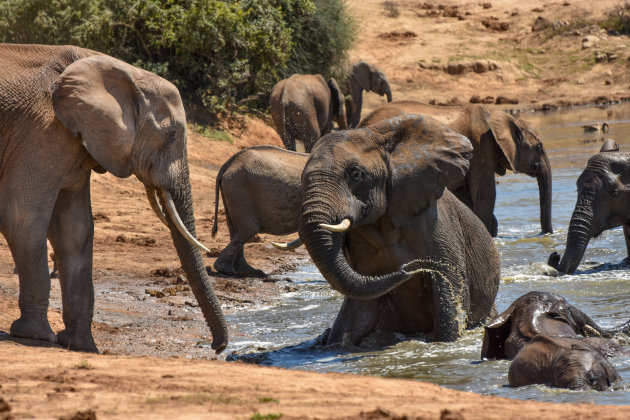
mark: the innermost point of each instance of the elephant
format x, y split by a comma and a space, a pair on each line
304, 106
363, 76
500, 141
549, 314
383, 230
603, 203
262, 193
563, 362
65, 112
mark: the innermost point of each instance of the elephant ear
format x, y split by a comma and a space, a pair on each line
496, 333
97, 97
508, 136
338, 102
424, 156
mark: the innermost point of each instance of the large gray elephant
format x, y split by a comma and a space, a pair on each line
64, 112
603, 202
303, 108
500, 141
383, 230
363, 77
262, 193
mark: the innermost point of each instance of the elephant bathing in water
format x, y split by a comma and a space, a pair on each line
64, 112
262, 193
382, 229
603, 203
363, 77
303, 108
500, 142
552, 342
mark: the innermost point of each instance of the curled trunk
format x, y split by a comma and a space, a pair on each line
579, 235
192, 263
544, 188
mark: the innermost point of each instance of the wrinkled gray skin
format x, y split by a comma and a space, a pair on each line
363, 77
304, 106
544, 313
389, 180
500, 142
562, 362
603, 203
65, 111
262, 193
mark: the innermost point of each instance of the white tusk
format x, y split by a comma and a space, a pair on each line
172, 211
155, 205
341, 227
287, 246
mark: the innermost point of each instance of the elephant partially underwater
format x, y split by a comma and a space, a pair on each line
304, 106
262, 193
552, 342
363, 77
603, 203
500, 142
383, 230
65, 112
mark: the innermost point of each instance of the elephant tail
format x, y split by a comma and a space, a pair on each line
215, 225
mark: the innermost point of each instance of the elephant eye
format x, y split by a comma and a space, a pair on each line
539, 148
171, 136
355, 173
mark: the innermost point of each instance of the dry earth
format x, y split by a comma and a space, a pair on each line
147, 323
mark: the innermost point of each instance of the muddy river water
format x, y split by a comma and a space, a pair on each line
282, 335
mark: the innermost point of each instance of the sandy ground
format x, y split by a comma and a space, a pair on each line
147, 324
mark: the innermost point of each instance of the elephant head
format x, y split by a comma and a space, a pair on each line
537, 313
337, 104
133, 122
563, 362
602, 204
366, 77
523, 151
391, 171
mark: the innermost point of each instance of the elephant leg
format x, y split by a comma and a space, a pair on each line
231, 260
355, 320
483, 195
71, 234
451, 302
27, 242
626, 235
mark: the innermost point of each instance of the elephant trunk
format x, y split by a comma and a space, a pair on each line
192, 263
579, 234
544, 188
326, 250
388, 92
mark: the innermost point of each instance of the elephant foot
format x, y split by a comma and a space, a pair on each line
242, 270
77, 342
35, 328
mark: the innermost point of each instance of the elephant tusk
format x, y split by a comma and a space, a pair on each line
592, 332
172, 211
287, 246
155, 205
341, 227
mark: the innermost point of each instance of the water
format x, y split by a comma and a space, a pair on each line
282, 335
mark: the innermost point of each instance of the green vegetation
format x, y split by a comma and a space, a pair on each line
618, 19
198, 398
216, 52
267, 400
271, 416
84, 364
219, 135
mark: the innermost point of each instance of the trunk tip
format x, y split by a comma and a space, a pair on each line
554, 260
219, 346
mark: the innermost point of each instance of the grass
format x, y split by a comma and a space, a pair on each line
268, 400
198, 398
270, 416
219, 135
391, 9
84, 364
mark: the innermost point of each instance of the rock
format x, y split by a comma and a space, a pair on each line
608, 73
486, 5
600, 57
455, 68
476, 99
611, 56
580, 81
540, 24
589, 41
608, 82
495, 25
506, 100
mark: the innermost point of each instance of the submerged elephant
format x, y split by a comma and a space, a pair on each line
383, 230
64, 112
262, 193
303, 108
363, 76
603, 203
562, 362
500, 142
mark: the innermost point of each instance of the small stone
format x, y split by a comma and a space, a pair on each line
608, 82
580, 82
611, 56
506, 100
540, 24
601, 57
121, 238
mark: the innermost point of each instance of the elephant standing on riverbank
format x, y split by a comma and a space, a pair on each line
64, 112
304, 106
363, 77
500, 142
382, 229
262, 193
603, 203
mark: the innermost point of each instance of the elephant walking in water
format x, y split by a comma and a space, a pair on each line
304, 106
500, 142
65, 112
261, 192
383, 230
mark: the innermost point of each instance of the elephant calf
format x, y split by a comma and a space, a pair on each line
552, 342
261, 192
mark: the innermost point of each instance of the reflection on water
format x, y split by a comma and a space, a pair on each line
284, 335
